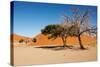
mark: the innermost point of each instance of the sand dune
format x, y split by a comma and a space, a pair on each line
17, 37
43, 40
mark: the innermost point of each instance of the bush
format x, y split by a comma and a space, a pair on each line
21, 40
34, 40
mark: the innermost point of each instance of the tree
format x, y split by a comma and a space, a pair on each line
81, 25
56, 30
76, 24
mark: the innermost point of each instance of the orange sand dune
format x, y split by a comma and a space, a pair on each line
19, 37
43, 40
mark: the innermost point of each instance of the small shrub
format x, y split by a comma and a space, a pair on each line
34, 40
21, 40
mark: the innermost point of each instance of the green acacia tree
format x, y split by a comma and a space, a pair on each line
56, 30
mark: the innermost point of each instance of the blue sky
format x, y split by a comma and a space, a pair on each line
30, 18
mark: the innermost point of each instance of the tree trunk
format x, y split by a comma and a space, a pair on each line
64, 42
80, 43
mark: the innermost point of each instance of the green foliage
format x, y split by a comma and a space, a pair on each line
50, 29
53, 30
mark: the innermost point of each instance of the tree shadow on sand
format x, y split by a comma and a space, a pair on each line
58, 48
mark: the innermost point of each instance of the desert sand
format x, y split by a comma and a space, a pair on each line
32, 56
28, 54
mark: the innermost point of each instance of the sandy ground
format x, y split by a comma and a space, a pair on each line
32, 55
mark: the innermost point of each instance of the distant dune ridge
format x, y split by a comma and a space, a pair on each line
43, 40
17, 37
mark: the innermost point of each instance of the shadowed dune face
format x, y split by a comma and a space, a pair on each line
43, 40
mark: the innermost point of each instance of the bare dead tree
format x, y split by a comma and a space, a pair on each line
80, 24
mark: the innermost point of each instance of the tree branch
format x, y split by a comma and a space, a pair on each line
87, 30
